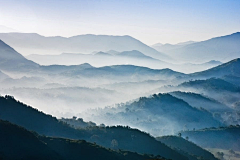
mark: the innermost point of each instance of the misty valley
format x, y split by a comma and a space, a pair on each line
114, 97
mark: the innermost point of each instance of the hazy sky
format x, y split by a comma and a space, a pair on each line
151, 21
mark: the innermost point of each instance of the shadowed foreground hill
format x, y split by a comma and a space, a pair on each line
111, 137
18, 143
191, 150
223, 138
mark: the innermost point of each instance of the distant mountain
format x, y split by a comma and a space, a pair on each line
213, 62
100, 59
223, 49
199, 101
10, 59
186, 43
191, 150
127, 54
157, 44
112, 52
160, 114
32, 43
111, 137
230, 68
135, 54
222, 138
102, 54
18, 143
166, 47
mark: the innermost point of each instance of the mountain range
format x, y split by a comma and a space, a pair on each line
224, 48
32, 43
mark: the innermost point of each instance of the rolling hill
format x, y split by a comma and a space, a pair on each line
159, 114
18, 143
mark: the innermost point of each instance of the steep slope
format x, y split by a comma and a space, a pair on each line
223, 48
10, 59
223, 138
193, 151
25, 116
31, 43
18, 143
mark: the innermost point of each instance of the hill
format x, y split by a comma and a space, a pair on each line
222, 138
230, 68
159, 114
10, 59
32, 43
198, 101
33, 120
18, 143
182, 145
215, 84
218, 89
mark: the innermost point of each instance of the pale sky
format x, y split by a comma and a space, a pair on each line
150, 21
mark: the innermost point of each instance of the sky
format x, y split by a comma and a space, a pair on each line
150, 21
